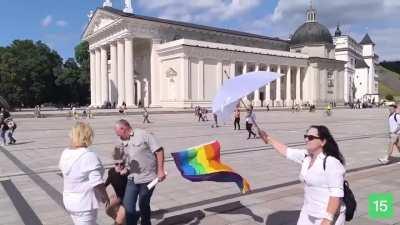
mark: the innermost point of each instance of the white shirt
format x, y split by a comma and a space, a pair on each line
251, 118
393, 124
319, 184
82, 171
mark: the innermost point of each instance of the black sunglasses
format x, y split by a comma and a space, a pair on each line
310, 137
119, 163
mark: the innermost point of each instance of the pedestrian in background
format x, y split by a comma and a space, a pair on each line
394, 133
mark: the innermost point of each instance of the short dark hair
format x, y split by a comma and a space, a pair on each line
124, 123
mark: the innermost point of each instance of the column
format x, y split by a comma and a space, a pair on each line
184, 94
219, 75
146, 92
121, 71
268, 89
92, 78
244, 70
129, 73
98, 77
114, 74
257, 101
201, 80
154, 88
232, 71
288, 87
104, 76
278, 88
298, 78
138, 92
306, 98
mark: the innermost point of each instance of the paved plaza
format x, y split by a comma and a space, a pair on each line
31, 186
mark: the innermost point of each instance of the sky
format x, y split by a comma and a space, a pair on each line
60, 23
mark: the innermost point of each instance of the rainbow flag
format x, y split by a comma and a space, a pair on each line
202, 163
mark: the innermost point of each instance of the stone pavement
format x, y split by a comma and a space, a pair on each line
31, 187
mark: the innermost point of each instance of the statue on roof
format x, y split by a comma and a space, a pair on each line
107, 3
128, 6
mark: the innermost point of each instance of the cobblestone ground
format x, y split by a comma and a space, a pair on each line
31, 187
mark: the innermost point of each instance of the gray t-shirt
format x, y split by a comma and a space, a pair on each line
140, 156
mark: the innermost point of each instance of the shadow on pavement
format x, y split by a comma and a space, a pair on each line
190, 218
235, 208
283, 218
22, 143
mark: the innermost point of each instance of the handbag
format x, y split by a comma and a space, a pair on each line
348, 198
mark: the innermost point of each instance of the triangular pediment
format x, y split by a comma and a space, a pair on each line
99, 20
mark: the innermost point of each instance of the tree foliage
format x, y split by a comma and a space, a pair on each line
392, 65
31, 73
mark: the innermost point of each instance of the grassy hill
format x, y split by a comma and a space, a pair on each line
389, 82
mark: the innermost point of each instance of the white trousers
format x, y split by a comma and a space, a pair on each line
84, 218
306, 219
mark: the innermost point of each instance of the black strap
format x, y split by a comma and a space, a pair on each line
324, 164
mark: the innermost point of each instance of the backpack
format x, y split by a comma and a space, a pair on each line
395, 116
348, 198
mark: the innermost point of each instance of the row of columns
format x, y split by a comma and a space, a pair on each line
118, 85
278, 98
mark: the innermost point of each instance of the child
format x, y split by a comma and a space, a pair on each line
117, 177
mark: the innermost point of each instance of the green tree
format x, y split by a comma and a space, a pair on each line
27, 72
389, 97
71, 86
82, 57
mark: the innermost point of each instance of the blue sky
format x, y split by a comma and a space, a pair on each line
60, 23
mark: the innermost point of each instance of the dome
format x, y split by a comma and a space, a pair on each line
311, 33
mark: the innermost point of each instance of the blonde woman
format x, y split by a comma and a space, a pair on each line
83, 177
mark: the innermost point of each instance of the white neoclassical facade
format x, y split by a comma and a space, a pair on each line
155, 62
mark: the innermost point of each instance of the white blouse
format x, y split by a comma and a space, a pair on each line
82, 171
319, 184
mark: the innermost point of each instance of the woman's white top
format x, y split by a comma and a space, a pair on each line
250, 118
319, 184
82, 171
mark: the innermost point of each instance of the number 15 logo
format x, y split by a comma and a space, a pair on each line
380, 206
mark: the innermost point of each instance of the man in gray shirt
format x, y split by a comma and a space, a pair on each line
145, 159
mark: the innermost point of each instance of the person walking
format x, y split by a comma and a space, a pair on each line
145, 161
7, 128
145, 115
322, 173
394, 133
215, 117
236, 122
82, 171
250, 119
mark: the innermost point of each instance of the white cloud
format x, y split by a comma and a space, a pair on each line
200, 11
61, 23
356, 17
387, 42
47, 21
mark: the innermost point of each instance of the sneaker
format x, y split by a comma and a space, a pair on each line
383, 160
